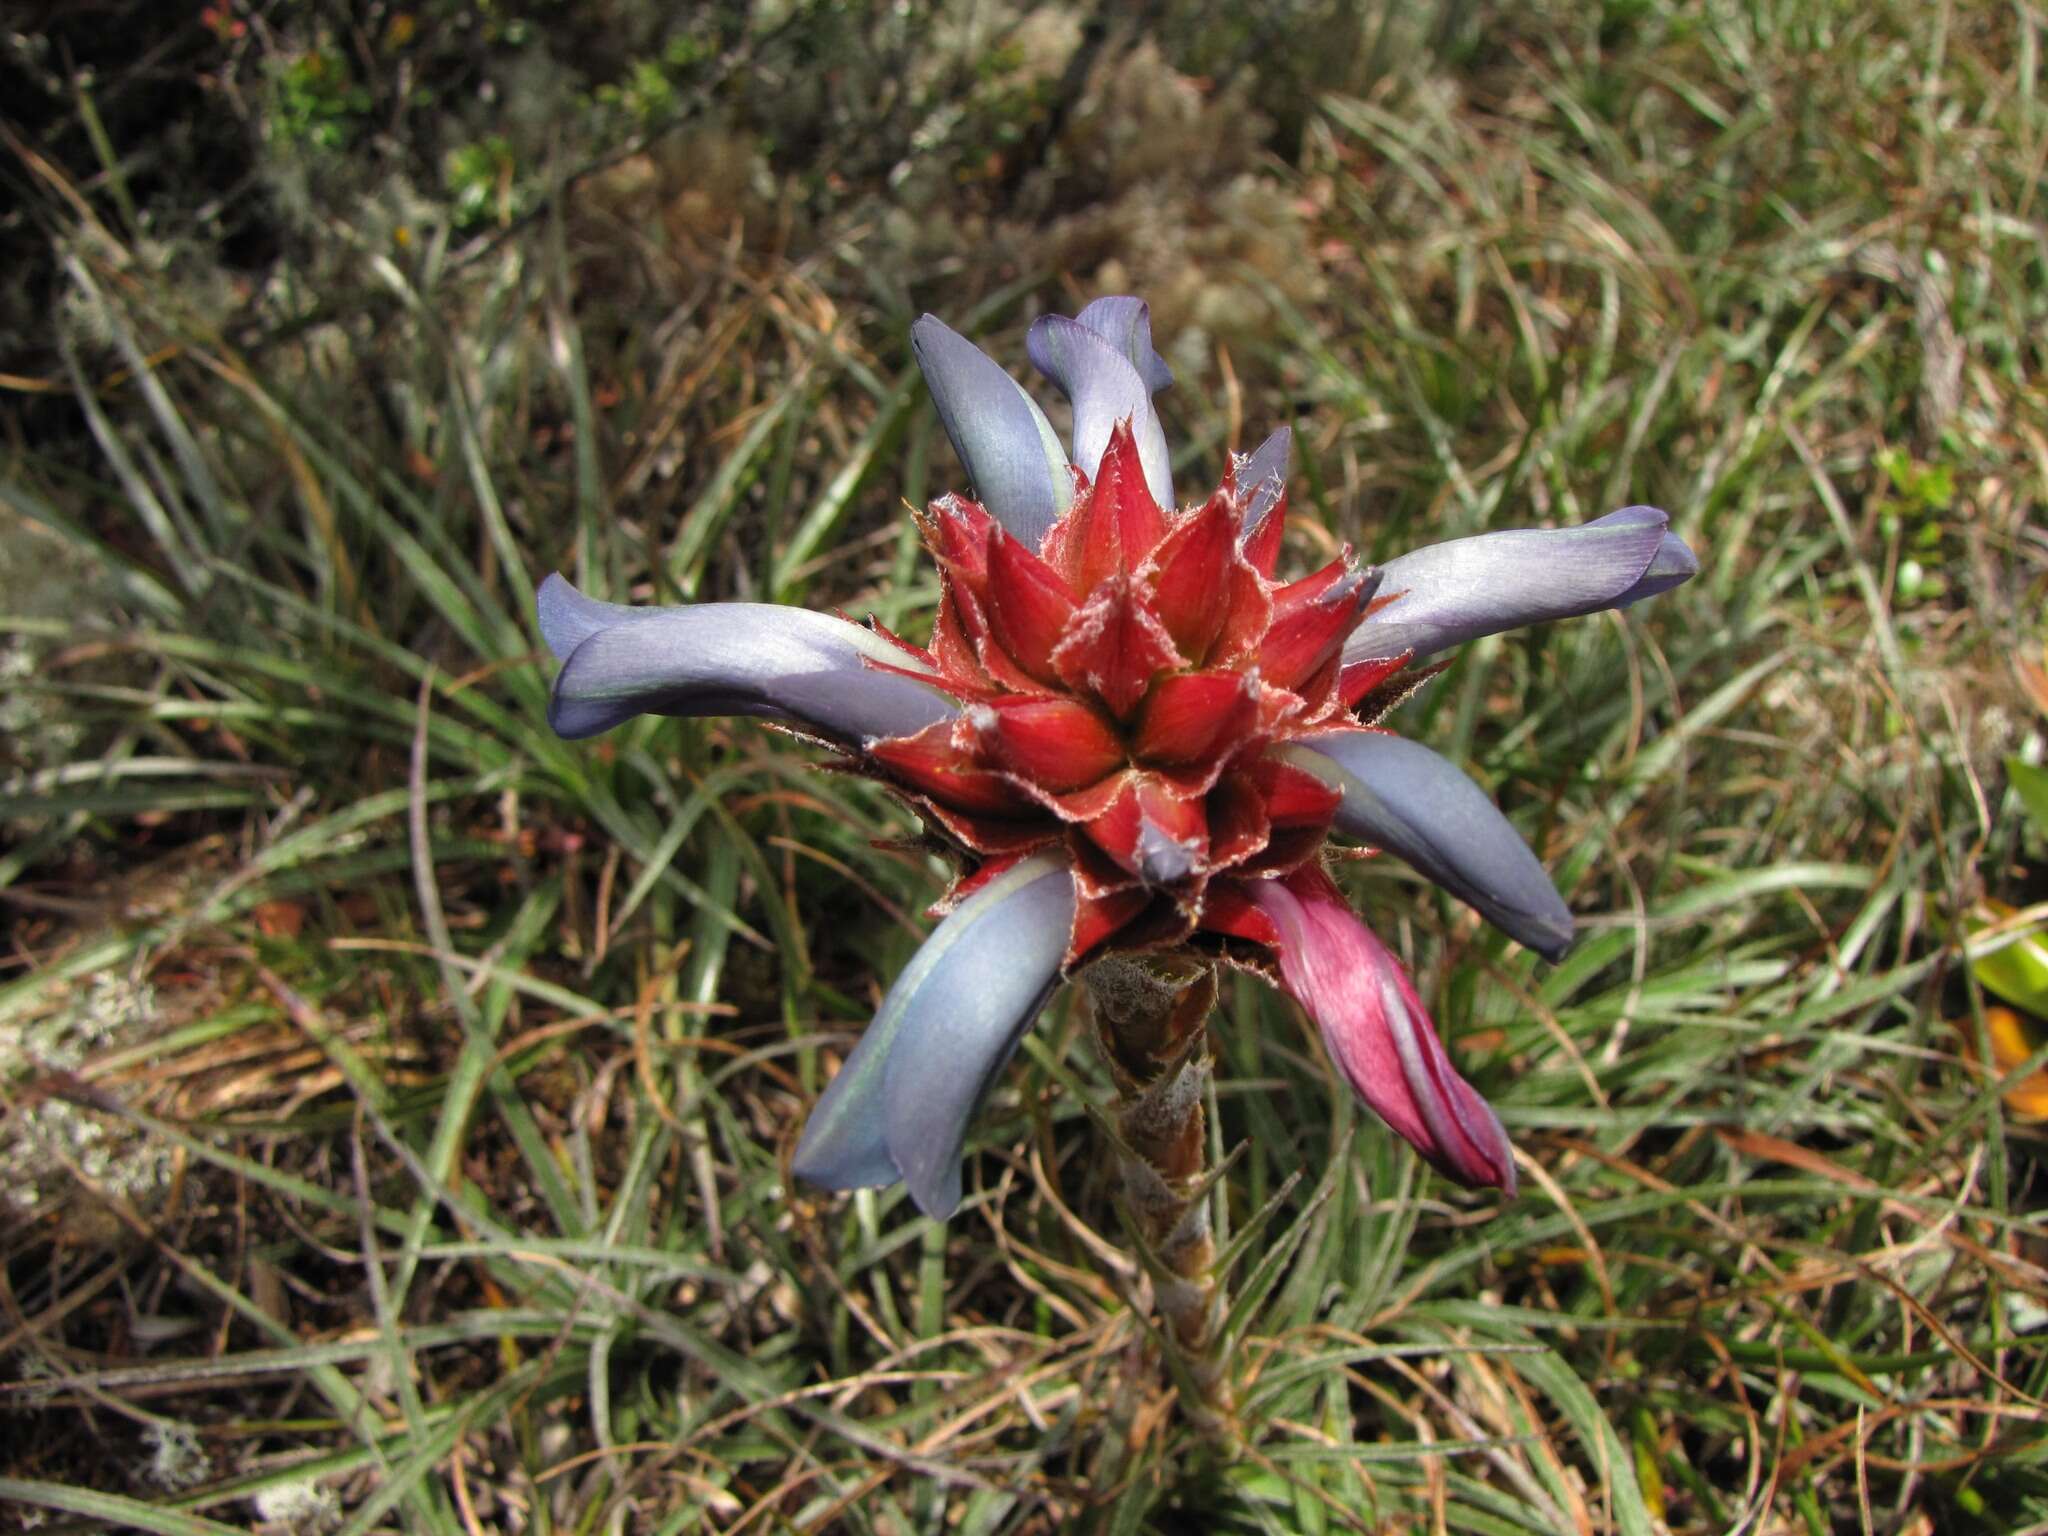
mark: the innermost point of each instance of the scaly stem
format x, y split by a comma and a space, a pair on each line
1151, 1020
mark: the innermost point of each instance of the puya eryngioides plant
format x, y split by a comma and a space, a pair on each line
1136, 741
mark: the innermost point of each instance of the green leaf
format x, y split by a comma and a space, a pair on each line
2031, 785
113, 1508
1563, 1386
2015, 971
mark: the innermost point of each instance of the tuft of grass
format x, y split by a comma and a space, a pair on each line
405, 1095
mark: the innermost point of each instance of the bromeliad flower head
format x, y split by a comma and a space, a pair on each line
1135, 738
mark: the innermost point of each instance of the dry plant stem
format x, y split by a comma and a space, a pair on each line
1151, 1020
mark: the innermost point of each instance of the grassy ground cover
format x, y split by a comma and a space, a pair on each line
398, 1100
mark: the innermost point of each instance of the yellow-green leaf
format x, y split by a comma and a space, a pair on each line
2031, 783
2015, 971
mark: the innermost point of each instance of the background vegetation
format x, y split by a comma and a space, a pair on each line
398, 1100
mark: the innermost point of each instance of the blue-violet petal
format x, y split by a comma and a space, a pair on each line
901, 1104
1450, 593
1419, 806
1012, 455
807, 669
1106, 388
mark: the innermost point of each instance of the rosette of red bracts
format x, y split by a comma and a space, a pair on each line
1123, 691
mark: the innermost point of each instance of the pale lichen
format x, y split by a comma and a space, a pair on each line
176, 1459
50, 1136
299, 1507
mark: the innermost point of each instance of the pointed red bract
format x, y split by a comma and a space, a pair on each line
986, 836
1310, 630
1228, 910
1157, 837
1318, 691
1248, 613
1190, 577
953, 649
1057, 744
1191, 716
1029, 606
1293, 796
1295, 594
1114, 526
1100, 916
1361, 678
1114, 646
995, 657
969, 654
956, 532
1239, 828
935, 762
968, 884
1299, 808
1075, 806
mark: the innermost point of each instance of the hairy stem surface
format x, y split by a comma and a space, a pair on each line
1151, 1020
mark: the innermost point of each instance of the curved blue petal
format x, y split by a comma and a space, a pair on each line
1401, 796
568, 618
1011, 452
1673, 565
1126, 324
901, 1104
787, 664
1106, 388
1450, 593
1262, 476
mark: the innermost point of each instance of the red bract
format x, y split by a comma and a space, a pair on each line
1122, 689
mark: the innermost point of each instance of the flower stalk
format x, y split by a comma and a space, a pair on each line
1151, 1019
